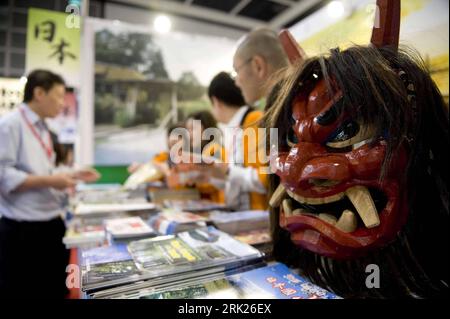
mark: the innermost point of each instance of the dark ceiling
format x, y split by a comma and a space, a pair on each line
240, 14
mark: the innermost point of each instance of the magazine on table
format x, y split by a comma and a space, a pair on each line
158, 196
110, 271
107, 263
83, 209
163, 258
198, 205
88, 231
128, 227
236, 222
84, 236
104, 254
107, 193
270, 282
144, 288
189, 251
254, 237
170, 222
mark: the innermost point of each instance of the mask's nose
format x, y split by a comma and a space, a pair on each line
307, 162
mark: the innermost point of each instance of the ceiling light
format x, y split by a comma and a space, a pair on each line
162, 24
336, 9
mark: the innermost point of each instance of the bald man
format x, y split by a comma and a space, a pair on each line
258, 57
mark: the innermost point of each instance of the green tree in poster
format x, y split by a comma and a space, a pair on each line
189, 88
131, 50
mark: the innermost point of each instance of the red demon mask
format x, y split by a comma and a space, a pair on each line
331, 197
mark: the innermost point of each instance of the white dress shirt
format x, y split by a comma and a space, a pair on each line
21, 155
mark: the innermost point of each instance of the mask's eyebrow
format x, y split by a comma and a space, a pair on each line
330, 116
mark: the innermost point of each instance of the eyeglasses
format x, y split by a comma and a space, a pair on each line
237, 69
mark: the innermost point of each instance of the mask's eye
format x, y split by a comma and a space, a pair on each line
349, 134
291, 138
345, 132
331, 115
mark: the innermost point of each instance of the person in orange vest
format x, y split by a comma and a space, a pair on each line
161, 158
200, 145
196, 125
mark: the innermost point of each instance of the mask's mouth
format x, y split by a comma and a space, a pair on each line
357, 207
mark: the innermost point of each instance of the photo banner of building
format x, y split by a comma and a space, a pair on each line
136, 83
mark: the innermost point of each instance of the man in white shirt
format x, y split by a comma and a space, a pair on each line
244, 188
32, 198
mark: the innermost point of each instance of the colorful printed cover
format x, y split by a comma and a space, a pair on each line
270, 282
280, 282
161, 254
108, 271
128, 227
84, 234
169, 222
105, 254
165, 255
202, 246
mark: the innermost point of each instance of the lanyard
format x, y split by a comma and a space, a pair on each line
47, 148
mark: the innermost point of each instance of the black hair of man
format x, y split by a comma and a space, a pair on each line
223, 88
40, 78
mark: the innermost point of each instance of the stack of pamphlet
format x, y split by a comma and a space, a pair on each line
107, 193
198, 205
89, 187
109, 199
164, 260
95, 203
107, 263
274, 281
170, 222
80, 235
84, 209
254, 237
87, 231
158, 196
128, 227
238, 222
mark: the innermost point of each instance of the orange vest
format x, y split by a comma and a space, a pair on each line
251, 159
206, 190
161, 157
251, 150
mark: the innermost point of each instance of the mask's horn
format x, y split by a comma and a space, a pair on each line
292, 49
386, 29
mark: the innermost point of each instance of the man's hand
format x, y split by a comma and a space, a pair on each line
133, 167
88, 175
219, 170
216, 170
199, 173
61, 181
162, 167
